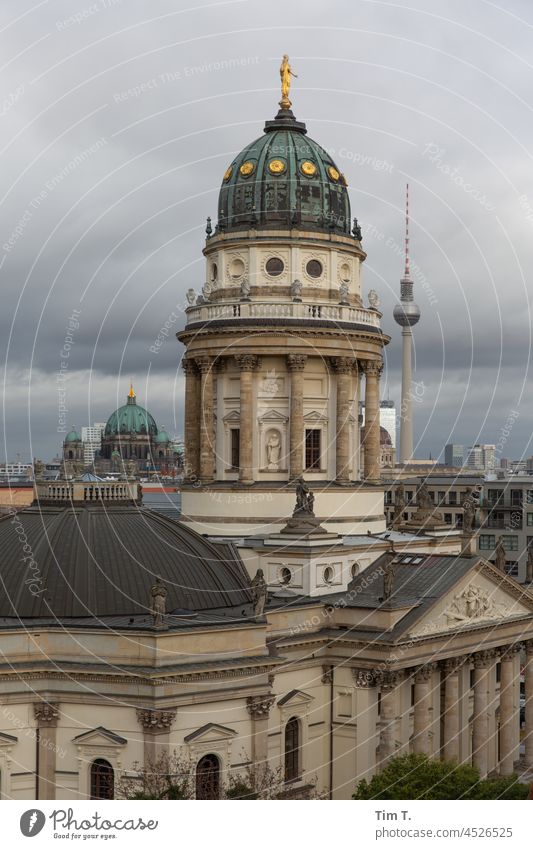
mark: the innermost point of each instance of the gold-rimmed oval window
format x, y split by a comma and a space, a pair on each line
247, 168
308, 168
276, 166
333, 173
228, 173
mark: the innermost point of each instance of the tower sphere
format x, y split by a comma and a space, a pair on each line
406, 313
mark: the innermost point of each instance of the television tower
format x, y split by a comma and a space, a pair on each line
406, 314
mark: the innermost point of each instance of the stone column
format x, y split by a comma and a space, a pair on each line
156, 727
480, 756
296, 364
206, 419
343, 367
529, 703
508, 715
451, 747
46, 715
372, 369
389, 715
192, 418
246, 363
259, 709
422, 717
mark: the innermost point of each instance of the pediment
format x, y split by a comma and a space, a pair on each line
234, 416
484, 595
99, 737
7, 740
272, 416
210, 733
315, 416
295, 698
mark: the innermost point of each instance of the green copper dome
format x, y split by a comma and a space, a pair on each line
73, 436
284, 180
131, 419
162, 437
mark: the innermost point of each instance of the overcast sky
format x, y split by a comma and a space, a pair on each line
118, 120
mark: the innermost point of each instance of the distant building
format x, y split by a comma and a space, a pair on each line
453, 455
387, 419
506, 510
92, 441
481, 457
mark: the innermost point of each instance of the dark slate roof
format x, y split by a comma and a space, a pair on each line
418, 584
102, 561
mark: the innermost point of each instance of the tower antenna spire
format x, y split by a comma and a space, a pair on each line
406, 314
407, 270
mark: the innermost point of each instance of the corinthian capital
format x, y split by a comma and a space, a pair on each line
372, 368
343, 365
365, 678
247, 362
424, 673
46, 713
296, 362
204, 364
189, 367
259, 706
156, 720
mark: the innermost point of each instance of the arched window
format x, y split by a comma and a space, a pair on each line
208, 778
292, 749
102, 780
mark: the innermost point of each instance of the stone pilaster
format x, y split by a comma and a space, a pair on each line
247, 363
343, 368
259, 709
508, 709
529, 704
451, 747
483, 661
372, 370
192, 419
296, 365
46, 715
422, 715
390, 709
156, 731
206, 420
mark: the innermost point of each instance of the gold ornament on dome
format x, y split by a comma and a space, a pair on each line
308, 168
333, 173
285, 73
247, 168
276, 166
229, 172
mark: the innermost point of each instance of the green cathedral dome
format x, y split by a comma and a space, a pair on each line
73, 436
131, 419
284, 180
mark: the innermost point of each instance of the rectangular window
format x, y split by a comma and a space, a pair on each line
511, 567
516, 497
529, 496
448, 518
442, 497
496, 519
235, 447
530, 519
452, 498
494, 496
312, 448
487, 542
510, 543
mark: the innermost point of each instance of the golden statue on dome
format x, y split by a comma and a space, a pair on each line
286, 73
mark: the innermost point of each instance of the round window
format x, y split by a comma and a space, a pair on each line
355, 569
345, 272
247, 168
274, 266
285, 575
328, 575
314, 268
236, 268
276, 166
